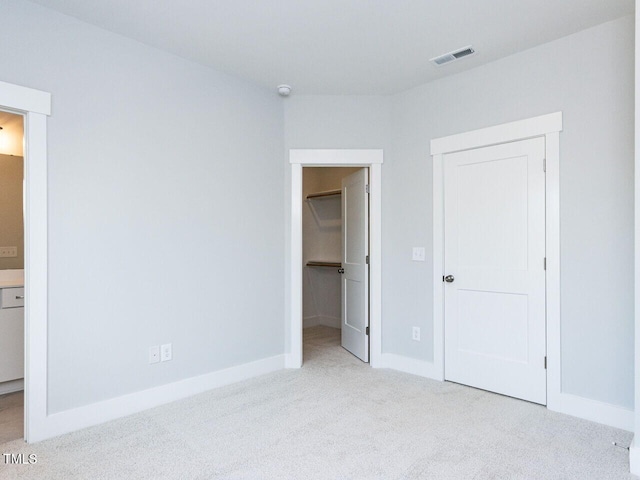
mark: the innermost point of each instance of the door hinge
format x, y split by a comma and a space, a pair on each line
545, 263
544, 164
545, 363
367, 189
366, 259
367, 331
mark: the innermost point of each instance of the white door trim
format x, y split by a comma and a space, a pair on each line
35, 106
550, 127
299, 158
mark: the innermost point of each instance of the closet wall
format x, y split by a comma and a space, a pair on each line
321, 233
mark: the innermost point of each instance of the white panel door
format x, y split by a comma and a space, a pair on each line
355, 271
495, 263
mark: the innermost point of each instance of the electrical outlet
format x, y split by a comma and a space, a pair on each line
8, 252
416, 334
165, 352
154, 354
419, 254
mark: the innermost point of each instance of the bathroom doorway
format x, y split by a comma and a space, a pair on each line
34, 106
12, 255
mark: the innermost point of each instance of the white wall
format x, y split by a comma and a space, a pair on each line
165, 208
588, 76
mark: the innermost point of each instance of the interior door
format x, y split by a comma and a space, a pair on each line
495, 269
355, 270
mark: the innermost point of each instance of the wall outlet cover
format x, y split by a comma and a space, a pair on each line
419, 254
416, 334
166, 353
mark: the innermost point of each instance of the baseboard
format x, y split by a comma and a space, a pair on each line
291, 362
101, 412
634, 457
593, 410
333, 322
410, 365
12, 386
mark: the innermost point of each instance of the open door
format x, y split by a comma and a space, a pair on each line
355, 268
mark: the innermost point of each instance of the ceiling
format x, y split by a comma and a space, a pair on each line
341, 46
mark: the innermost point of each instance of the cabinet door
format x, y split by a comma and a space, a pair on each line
11, 344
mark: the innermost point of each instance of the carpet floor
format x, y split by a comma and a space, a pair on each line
336, 418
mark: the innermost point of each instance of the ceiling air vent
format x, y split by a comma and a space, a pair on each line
452, 56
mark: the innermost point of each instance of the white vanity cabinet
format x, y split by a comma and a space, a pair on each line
11, 333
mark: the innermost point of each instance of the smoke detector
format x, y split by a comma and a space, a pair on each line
284, 90
453, 56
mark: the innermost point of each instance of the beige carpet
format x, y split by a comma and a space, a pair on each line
336, 418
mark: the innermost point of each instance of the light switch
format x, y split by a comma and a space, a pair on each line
8, 251
154, 354
418, 254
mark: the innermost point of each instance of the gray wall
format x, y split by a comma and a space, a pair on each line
588, 76
165, 208
11, 225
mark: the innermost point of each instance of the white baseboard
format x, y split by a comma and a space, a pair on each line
291, 362
101, 412
410, 365
12, 386
333, 322
593, 410
634, 457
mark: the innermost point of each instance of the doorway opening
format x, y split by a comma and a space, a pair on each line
34, 106
335, 233
11, 276
372, 161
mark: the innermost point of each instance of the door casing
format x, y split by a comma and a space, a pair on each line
299, 158
547, 126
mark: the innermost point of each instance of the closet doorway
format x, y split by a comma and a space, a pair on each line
335, 237
371, 159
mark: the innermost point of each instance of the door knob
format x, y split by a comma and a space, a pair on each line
341, 270
449, 279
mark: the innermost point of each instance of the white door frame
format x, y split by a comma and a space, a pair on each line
35, 106
548, 126
299, 158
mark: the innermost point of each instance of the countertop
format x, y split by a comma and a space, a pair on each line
12, 278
